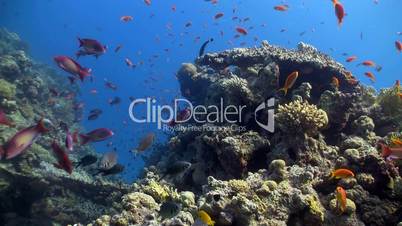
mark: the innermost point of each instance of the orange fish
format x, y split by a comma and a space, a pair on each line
126, 18
398, 46
341, 173
218, 15
351, 59
241, 30
370, 76
341, 199
290, 81
339, 11
400, 95
368, 63
396, 141
335, 82
281, 7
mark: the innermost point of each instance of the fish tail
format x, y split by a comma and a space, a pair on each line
41, 127
84, 73
84, 139
386, 151
80, 41
285, 91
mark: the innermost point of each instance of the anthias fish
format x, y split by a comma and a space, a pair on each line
341, 199
351, 59
145, 143
63, 162
290, 81
71, 66
96, 135
339, 11
22, 140
241, 30
398, 46
342, 173
281, 7
90, 47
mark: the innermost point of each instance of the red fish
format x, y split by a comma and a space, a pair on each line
71, 66
4, 120
398, 46
370, 76
368, 63
351, 59
63, 162
341, 199
218, 15
391, 153
90, 47
339, 11
126, 18
281, 8
335, 82
96, 135
290, 81
147, 2
22, 140
241, 30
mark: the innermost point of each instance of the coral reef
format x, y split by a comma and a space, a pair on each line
243, 175
32, 190
240, 173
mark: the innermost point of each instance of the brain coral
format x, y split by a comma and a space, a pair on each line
299, 117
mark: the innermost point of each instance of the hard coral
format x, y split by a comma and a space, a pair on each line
301, 118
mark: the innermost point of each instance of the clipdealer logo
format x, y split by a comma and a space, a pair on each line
164, 115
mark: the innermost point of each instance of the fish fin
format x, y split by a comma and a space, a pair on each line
84, 139
41, 127
80, 41
386, 151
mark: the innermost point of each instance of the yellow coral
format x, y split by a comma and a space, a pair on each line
239, 186
160, 192
300, 117
7, 90
315, 208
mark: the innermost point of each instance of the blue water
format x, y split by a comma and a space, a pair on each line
51, 28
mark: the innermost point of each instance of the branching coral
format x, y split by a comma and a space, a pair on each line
301, 118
